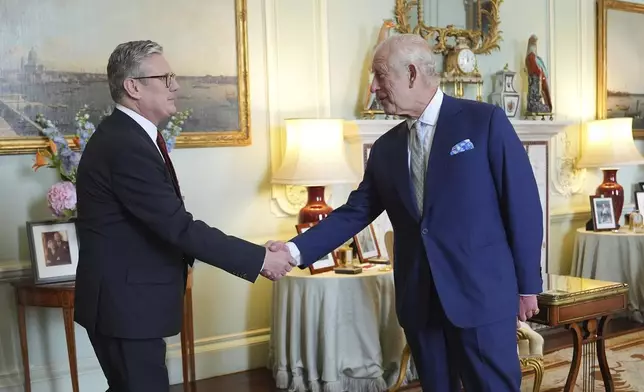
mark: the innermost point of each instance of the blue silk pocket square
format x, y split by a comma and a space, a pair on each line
461, 147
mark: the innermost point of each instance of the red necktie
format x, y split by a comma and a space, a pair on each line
168, 162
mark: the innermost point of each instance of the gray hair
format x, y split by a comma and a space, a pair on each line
125, 62
406, 49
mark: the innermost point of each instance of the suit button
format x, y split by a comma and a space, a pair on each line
424, 231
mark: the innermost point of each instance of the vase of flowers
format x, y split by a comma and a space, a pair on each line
65, 157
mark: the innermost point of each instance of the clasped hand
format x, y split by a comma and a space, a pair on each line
278, 261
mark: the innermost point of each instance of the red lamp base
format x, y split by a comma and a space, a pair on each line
316, 208
610, 188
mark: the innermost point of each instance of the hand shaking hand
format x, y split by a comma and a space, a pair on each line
278, 260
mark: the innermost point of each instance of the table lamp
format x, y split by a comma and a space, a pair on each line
315, 157
608, 144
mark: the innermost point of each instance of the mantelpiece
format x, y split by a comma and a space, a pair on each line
545, 142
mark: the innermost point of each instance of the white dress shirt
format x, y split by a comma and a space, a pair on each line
146, 124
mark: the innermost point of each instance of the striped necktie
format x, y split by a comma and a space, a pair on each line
417, 164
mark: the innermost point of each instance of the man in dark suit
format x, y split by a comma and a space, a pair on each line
467, 223
136, 238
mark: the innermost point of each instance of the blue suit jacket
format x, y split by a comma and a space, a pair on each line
481, 229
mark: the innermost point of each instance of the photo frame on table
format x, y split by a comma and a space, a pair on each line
367, 245
603, 213
639, 201
53, 246
366, 151
324, 264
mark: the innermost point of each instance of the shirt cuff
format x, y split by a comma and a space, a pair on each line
295, 252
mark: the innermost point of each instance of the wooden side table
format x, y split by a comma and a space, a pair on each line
61, 295
584, 307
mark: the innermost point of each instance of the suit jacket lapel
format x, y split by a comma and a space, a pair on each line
400, 165
440, 149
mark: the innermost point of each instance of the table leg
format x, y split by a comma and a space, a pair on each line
191, 339
24, 347
588, 344
601, 354
68, 318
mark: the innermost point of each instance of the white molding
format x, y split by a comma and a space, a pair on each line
550, 49
288, 200
214, 356
368, 131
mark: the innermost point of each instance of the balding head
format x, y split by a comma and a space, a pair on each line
405, 77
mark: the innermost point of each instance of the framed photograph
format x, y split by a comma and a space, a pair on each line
618, 64
639, 200
53, 246
55, 71
326, 263
603, 212
367, 244
366, 150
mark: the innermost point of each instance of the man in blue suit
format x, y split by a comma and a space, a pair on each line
458, 187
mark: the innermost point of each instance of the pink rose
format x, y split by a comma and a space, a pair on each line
61, 198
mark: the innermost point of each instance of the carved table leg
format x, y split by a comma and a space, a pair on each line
24, 347
68, 318
589, 345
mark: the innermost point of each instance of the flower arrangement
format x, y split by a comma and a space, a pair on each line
59, 155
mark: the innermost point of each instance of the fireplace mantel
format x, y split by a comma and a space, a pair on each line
367, 131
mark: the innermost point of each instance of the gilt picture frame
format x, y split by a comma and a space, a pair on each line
618, 93
57, 70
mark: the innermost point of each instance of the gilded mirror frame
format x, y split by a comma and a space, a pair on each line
602, 8
480, 43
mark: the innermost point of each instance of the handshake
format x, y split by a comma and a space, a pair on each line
278, 260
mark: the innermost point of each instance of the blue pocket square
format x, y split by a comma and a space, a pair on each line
462, 146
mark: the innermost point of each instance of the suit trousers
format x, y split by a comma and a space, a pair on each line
132, 365
480, 359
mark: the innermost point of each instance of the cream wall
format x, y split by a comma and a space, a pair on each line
306, 59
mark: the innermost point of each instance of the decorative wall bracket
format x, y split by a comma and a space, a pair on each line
567, 180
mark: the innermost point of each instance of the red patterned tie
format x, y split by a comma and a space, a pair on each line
168, 162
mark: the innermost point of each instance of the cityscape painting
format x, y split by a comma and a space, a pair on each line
620, 82
53, 58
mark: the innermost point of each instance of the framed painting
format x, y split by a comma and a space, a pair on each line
620, 82
53, 61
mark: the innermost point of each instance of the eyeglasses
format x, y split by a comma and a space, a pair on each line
169, 77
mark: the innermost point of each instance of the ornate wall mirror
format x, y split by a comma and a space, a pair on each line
620, 80
443, 21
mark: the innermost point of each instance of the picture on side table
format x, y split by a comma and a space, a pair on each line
53, 247
324, 264
603, 212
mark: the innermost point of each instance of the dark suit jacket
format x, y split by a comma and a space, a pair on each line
481, 229
136, 239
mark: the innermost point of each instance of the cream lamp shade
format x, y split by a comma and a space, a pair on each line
609, 143
315, 154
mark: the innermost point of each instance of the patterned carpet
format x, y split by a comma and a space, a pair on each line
625, 358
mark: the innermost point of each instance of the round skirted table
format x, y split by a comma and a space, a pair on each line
337, 331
